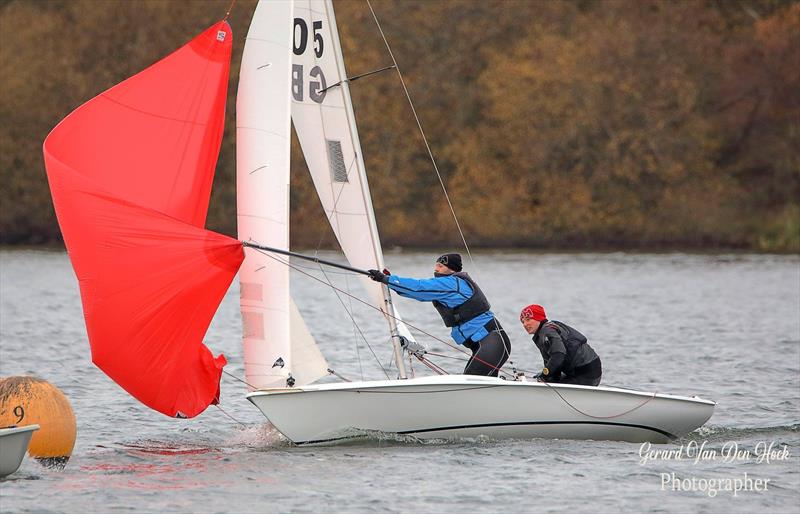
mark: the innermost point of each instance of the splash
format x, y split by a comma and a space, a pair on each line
716, 432
260, 436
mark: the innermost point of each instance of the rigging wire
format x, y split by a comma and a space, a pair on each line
329, 272
427, 147
434, 367
334, 215
447, 197
452, 210
356, 327
329, 284
422, 133
382, 312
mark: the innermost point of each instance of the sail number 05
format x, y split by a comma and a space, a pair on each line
316, 81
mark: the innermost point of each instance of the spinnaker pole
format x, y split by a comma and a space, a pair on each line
392, 322
311, 258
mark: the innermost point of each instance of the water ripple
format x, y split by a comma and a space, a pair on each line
725, 327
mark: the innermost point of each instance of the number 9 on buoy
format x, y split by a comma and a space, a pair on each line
32, 401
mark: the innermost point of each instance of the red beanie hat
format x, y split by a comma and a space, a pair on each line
533, 311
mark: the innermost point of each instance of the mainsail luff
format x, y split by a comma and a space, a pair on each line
262, 190
274, 332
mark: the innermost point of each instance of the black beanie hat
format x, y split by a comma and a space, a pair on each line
451, 260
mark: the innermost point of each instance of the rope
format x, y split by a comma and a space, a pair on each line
427, 362
435, 167
230, 8
434, 367
422, 133
251, 386
329, 284
234, 419
329, 272
356, 327
649, 399
287, 263
404, 321
438, 369
334, 215
362, 301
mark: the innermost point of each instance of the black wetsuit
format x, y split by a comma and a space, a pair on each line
463, 307
568, 358
488, 355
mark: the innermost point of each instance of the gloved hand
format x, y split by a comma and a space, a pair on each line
378, 276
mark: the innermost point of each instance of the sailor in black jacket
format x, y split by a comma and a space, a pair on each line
568, 358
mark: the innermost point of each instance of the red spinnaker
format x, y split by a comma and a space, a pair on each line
130, 173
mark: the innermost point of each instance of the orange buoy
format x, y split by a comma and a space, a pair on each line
27, 401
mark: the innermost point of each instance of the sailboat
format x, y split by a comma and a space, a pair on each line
130, 173
13, 446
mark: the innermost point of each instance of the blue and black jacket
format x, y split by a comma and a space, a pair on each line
450, 292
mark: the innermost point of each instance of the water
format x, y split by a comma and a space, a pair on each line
724, 327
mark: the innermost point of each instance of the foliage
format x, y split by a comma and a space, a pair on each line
636, 124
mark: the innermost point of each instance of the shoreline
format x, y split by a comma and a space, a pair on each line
439, 249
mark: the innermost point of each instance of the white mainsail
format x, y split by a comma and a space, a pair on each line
277, 342
325, 126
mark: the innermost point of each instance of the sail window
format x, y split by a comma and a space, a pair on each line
336, 161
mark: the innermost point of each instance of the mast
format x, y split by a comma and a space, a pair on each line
374, 237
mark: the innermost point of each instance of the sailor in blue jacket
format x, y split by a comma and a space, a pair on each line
463, 307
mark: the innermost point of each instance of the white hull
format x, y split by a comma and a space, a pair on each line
13, 445
462, 406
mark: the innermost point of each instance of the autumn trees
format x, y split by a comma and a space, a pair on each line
586, 124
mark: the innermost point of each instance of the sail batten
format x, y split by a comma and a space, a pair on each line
130, 173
